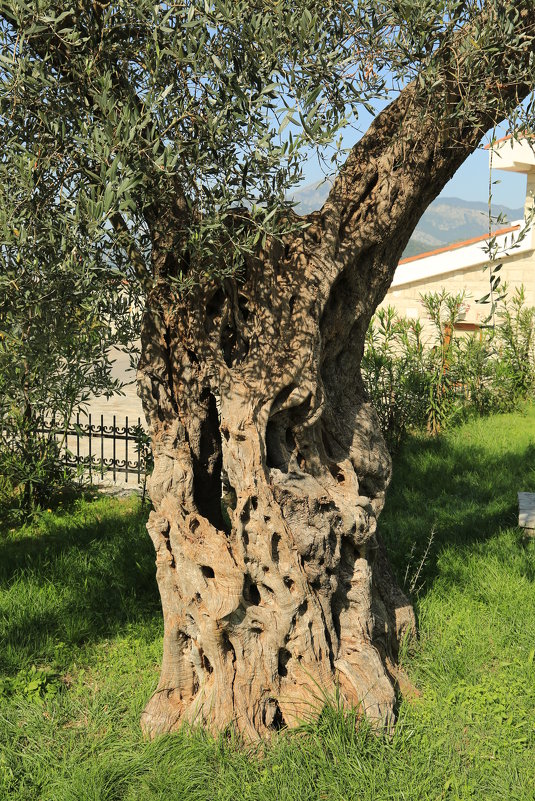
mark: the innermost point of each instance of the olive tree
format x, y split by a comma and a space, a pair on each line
167, 138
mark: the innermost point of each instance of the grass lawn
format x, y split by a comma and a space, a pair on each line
80, 639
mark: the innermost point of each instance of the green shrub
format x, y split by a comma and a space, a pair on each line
31, 465
440, 361
56, 332
394, 374
430, 380
515, 343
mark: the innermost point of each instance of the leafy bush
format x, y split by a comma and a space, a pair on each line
515, 343
31, 465
394, 374
420, 377
55, 339
440, 362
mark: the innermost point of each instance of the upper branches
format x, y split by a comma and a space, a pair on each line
172, 133
472, 78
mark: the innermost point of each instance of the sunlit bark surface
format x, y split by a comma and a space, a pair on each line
278, 594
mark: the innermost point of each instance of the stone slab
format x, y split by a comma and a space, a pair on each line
526, 510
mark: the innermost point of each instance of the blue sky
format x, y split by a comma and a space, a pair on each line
471, 182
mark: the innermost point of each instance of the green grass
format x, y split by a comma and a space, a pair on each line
80, 640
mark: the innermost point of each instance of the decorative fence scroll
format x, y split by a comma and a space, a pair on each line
104, 450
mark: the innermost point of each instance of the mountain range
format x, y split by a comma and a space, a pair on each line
447, 220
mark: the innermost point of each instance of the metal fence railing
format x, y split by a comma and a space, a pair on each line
104, 449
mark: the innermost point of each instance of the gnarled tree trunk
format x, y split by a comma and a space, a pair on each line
271, 605
265, 611
282, 594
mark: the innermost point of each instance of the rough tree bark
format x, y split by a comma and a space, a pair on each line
268, 612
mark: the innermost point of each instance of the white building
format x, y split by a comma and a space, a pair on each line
461, 266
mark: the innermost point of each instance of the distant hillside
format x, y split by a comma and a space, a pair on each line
447, 220
311, 197
415, 247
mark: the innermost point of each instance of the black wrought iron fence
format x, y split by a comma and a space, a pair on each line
102, 449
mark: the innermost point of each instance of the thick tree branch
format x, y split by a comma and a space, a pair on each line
415, 145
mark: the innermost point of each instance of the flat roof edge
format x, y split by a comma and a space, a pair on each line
459, 256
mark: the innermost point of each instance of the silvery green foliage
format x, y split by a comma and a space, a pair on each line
119, 108
135, 129
118, 117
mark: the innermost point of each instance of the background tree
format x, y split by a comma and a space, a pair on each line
167, 136
56, 328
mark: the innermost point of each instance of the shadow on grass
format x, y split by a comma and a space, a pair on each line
464, 493
81, 577
87, 573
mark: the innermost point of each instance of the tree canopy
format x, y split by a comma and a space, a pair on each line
121, 117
